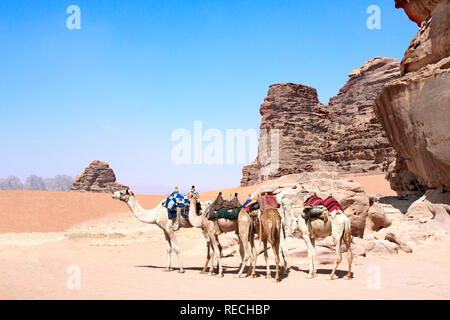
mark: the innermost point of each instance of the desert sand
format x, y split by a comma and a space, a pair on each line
46, 235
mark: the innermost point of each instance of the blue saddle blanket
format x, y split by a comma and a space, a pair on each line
176, 200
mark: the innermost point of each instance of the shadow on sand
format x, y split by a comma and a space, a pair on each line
401, 205
260, 271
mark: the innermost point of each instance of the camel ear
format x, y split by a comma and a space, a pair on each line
129, 192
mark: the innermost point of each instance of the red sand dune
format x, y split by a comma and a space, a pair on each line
374, 184
45, 211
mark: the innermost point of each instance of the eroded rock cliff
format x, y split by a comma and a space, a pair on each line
343, 136
415, 109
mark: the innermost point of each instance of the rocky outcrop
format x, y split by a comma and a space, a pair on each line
364, 213
414, 109
98, 177
343, 136
417, 10
402, 180
380, 225
427, 220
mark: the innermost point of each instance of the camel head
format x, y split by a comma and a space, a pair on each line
123, 195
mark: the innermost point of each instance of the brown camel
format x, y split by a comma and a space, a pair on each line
268, 227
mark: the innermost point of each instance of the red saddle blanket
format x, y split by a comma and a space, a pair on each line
332, 204
267, 202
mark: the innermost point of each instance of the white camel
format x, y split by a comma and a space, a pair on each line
337, 225
211, 230
159, 216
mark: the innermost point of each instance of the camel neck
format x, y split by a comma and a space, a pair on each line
146, 216
194, 220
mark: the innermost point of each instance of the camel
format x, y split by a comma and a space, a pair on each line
211, 231
158, 216
269, 228
337, 225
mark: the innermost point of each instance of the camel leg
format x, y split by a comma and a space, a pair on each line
169, 252
246, 251
313, 243
253, 255
337, 241
220, 275
276, 253
208, 256
350, 259
284, 257
217, 252
245, 259
211, 265
348, 243
311, 256
266, 256
241, 250
284, 251
177, 250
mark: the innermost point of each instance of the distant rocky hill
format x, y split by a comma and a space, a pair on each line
34, 183
98, 177
344, 136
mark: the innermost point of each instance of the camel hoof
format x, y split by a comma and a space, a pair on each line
276, 280
309, 276
254, 276
348, 277
167, 270
181, 271
219, 276
330, 278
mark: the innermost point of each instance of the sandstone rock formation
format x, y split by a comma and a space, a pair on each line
402, 180
344, 136
414, 109
427, 220
417, 10
365, 214
98, 177
380, 225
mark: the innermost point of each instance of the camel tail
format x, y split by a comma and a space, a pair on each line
274, 229
347, 232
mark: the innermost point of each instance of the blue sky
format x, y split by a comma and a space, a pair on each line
116, 89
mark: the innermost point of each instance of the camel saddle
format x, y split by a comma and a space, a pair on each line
268, 202
226, 209
316, 208
312, 213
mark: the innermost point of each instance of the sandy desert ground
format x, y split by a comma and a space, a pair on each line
45, 236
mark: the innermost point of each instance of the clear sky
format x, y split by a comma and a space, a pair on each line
117, 88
